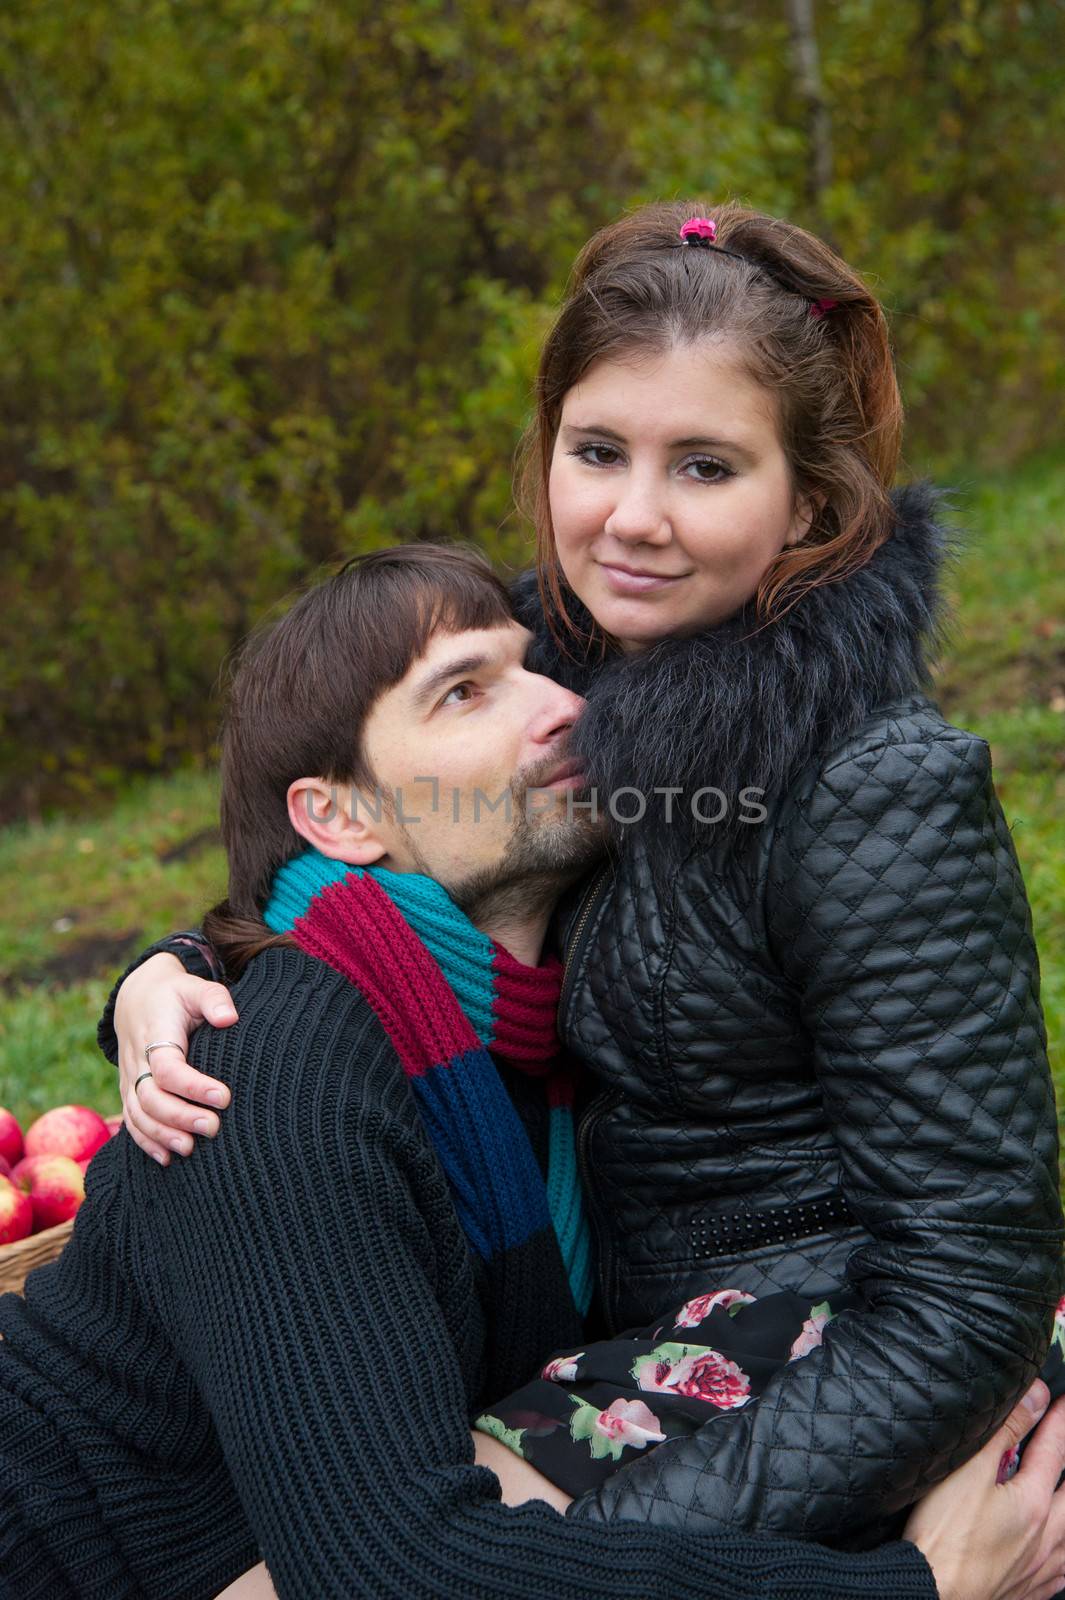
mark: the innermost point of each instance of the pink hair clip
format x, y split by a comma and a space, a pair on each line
699, 230
820, 308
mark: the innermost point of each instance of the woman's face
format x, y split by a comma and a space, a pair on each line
670, 492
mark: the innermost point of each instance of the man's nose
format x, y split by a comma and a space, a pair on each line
556, 716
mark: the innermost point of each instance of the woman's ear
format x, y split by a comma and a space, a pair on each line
335, 821
806, 512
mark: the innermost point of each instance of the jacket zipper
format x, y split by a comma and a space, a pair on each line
576, 944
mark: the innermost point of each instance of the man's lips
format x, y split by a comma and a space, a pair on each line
569, 775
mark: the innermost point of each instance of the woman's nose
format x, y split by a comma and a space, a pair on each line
639, 517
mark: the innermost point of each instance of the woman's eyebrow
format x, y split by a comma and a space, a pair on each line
705, 441
592, 427
695, 442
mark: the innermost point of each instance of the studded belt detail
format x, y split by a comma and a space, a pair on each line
724, 1232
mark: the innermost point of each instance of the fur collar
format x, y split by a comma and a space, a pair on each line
739, 705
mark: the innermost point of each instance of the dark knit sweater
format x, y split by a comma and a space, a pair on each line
273, 1348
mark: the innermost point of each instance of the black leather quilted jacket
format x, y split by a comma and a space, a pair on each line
819, 1051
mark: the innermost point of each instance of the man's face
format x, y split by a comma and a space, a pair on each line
472, 751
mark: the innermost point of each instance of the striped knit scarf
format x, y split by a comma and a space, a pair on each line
447, 994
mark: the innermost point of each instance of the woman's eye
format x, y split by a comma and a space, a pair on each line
458, 689
703, 469
593, 454
707, 470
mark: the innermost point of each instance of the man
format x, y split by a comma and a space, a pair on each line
390, 725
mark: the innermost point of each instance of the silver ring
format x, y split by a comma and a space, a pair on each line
141, 1080
160, 1044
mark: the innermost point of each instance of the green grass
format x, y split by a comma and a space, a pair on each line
48, 1055
1008, 652
70, 887
1004, 677
79, 895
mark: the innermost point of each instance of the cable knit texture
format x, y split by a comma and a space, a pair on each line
273, 1347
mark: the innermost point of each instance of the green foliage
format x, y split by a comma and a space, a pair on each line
273, 274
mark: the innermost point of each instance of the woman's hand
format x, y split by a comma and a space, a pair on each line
160, 1000
986, 1540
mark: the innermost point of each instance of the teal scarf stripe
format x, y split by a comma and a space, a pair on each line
564, 1202
463, 953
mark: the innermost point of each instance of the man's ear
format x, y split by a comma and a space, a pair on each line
336, 820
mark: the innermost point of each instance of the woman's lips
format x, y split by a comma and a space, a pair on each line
624, 582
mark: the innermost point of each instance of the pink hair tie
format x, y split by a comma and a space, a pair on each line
820, 308
699, 230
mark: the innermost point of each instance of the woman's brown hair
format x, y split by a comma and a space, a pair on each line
300, 692
637, 286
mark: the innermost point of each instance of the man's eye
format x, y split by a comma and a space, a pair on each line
459, 688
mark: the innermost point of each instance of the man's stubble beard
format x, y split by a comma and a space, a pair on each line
544, 855
540, 861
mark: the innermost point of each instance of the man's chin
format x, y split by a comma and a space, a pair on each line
547, 858
567, 834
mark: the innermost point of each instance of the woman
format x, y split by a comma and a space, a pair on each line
805, 984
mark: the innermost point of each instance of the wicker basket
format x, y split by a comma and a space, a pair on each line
20, 1258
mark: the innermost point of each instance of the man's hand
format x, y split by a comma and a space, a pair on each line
986, 1540
160, 1000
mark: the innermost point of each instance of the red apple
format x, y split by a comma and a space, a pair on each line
114, 1123
10, 1137
55, 1185
84, 1165
72, 1131
5, 1167
16, 1213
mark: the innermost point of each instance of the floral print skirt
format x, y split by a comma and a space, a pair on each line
590, 1411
